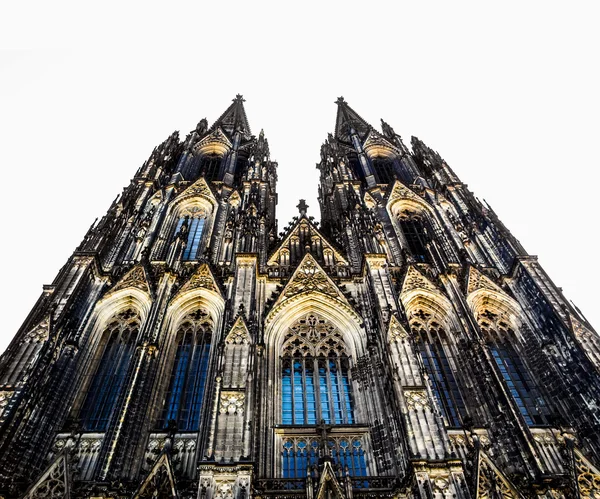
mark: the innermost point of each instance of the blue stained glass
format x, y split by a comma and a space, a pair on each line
296, 458
109, 378
188, 380
311, 403
445, 386
194, 236
298, 393
325, 410
516, 377
347, 397
286, 393
177, 381
306, 400
195, 392
335, 393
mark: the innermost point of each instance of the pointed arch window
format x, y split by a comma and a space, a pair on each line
299, 453
187, 382
210, 166
515, 374
191, 227
384, 170
436, 354
112, 363
415, 232
315, 382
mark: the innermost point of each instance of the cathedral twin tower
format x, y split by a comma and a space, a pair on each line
406, 347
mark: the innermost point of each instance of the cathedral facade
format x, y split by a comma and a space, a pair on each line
406, 346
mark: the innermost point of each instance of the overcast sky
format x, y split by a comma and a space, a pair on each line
507, 93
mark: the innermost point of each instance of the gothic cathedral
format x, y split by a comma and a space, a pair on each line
406, 346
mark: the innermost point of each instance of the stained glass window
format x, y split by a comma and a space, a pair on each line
414, 232
516, 376
195, 226
210, 167
436, 355
111, 371
300, 454
512, 369
384, 170
315, 383
189, 373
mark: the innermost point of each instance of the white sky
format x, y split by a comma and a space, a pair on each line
507, 93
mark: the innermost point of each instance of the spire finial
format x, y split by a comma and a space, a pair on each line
239, 98
302, 207
340, 100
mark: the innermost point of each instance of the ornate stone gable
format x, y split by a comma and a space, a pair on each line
309, 276
400, 191
581, 331
305, 225
369, 200
135, 278
588, 477
54, 482
476, 280
239, 333
396, 332
198, 188
160, 482
215, 142
415, 280
329, 487
201, 278
39, 333
491, 482
377, 145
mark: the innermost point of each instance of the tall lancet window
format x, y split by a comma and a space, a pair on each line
189, 373
315, 385
500, 339
415, 232
191, 226
316, 389
210, 166
113, 358
438, 361
384, 170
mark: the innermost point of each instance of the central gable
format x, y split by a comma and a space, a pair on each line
309, 280
302, 238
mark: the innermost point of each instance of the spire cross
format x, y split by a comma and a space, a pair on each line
239, 98
340, 100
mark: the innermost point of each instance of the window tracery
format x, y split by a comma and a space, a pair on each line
500, 337
112, 362
190, 227
414, 226
189, 372
301, 453
315, 374
384, 170
437, 357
